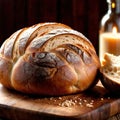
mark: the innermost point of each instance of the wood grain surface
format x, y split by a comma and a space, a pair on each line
95, 104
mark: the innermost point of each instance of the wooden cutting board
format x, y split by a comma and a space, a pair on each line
95, 104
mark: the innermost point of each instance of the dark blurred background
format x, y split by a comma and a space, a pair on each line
81, 15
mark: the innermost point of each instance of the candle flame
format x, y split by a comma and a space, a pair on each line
114, 30
113, 5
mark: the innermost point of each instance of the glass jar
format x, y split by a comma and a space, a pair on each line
109, 34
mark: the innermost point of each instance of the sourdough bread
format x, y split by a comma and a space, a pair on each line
48, 59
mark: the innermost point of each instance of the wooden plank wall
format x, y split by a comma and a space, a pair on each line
82, 15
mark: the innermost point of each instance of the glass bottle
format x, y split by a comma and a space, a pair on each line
109, 34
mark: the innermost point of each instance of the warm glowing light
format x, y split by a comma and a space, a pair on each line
113, 5
114, 30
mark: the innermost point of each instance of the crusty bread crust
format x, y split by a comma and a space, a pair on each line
48, 59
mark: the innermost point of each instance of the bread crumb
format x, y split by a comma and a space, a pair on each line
102, 99
85, 101
67, 103
89, 105
60, 98
51, 98
77, 102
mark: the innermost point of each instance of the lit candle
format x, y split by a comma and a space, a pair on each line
110, 43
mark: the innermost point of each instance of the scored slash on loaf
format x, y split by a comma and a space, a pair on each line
48, 59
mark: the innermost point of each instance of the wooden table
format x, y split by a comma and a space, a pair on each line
95, 104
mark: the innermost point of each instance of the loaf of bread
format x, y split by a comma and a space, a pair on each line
110, 70
48, 59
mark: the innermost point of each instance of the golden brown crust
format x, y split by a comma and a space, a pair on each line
41, 73
48, 59
5, 72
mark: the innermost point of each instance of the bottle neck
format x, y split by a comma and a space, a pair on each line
113, 6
